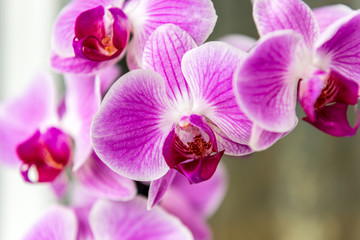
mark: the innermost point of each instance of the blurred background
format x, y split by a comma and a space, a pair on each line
305, 187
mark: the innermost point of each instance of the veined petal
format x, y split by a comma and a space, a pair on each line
327, 15
339, 47
131, 220
262, 139
265, 84
58, 223
100, 181
225, 143
22, 116
159, 187
273, 15
239, 41
163, 53
64, 27
204, 197
197, 17
209, 71
129, 130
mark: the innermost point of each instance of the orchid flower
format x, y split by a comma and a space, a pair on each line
178, 113
107, 220
293, 60
90, 35
35, 139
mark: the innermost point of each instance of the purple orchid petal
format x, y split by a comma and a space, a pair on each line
131, 220
107, 77
272, 15
239, 41
82, 102
262, 139
163, 54
197, 17
209, 70
159, 187
63, 33
340, 47
78, 65
177, 204
265, 84
20, 117
100, 181
204, 197
327, 15
329, 112
58, 223
129, 130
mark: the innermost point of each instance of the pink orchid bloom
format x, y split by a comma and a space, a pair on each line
108, 220
34, 138
177, 113
294, 60
90, 35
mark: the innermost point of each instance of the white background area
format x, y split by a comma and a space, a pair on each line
25, 28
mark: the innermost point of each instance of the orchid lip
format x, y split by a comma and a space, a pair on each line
101, 34
44, 155
191, 149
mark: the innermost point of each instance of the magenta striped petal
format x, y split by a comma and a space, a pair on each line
163, 54
58, 223
209, 71
159, 187
272, 15
340, 46
129, 130
131, 220
266, 84
197, 17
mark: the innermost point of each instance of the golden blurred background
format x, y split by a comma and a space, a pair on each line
305, 187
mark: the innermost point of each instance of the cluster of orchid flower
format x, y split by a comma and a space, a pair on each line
161, 129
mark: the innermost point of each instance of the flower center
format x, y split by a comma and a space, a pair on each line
191, 149
327, 94
44, 155
101, 34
